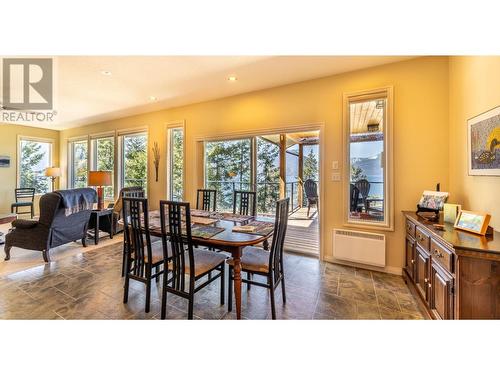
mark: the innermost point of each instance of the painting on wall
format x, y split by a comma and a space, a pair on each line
484, 144
4, 161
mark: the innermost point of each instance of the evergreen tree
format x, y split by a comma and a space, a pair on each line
311, 169
357, 173
136, 161
267, 176
31, 175
177, 164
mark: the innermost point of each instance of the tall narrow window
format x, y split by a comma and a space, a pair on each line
103, 159
368, 131
176, 163
34, 157
78, 170
292, 175
228, 166
134, 160
268, 173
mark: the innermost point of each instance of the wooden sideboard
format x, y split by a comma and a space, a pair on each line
455, 274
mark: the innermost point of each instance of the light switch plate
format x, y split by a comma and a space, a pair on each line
335, 164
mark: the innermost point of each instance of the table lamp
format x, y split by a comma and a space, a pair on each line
53, 173
100, 179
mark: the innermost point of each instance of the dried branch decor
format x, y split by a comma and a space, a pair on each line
156, 158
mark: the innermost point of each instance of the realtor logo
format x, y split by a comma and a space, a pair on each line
27, 84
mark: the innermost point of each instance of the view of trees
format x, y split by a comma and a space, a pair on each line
177, 163
357, 173
80, 166
34, 161
135, 159
105, 160
268, 175
310, 165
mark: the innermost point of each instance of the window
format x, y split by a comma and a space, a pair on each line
103, 159
134, 160
368, 164
176, 164
292, 175
34, 157
268, 174
78, 171
228, 166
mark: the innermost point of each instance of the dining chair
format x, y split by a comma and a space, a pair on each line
208, 200
24, 198
245, 202
186, 262
311, 190
142, 255
269, 264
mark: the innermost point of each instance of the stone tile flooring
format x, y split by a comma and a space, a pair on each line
89, 286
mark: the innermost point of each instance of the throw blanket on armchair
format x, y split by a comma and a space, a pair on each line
76, 200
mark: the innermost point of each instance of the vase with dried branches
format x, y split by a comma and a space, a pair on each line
156, 158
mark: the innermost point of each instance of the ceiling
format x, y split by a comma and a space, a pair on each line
84, 95
367, 113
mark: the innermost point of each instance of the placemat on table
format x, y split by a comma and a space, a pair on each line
235, 217
205, 231
203, 220
261, 228
200, 213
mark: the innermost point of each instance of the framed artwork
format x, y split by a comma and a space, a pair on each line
4, 161
483, 144
474, 222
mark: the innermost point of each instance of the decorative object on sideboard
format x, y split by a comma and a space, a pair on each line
4, 161
156, 159
483, 143
53, 173
100, 179
451, 212
474, 222
431, 203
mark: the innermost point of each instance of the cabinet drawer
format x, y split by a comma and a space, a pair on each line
410, 228
422, 239
442, 255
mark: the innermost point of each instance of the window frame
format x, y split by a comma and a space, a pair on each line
348, 98
170, 129
119, 161
93, 139
71, 141
21, 138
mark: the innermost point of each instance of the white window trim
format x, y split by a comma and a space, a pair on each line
20, 138
69, 182
93, 156
388, 93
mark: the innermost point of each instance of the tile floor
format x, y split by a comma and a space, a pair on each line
89, 286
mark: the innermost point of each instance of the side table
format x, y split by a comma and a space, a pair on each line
95, 216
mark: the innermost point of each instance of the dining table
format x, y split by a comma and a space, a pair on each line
227, 240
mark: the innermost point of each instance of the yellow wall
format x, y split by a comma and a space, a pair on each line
8, 146
474, 88
420, 132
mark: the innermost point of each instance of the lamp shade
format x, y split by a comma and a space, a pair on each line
100, 178
53, 172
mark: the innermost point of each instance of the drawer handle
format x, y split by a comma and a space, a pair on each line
426, 280
412, 261
429, 285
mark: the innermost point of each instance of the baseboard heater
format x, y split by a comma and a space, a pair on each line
359, 247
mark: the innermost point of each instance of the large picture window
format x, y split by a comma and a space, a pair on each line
34, 157
176, 163
78, 171
368, 131
134, 160
103, 159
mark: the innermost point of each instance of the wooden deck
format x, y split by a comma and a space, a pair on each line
302, 233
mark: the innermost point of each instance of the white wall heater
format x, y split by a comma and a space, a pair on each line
359, 247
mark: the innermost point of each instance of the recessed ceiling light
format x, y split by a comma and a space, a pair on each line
105, 72
153, 98
232, 78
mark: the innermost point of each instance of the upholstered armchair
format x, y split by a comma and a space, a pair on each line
53, 228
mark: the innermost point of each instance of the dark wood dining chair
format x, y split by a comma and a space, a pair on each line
269, 264
311, 190
24, 198
186, 262
245, 202
142, 255
208, 201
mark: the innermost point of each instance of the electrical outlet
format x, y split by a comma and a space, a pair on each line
335, 176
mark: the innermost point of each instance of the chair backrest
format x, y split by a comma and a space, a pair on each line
245, 202
311, 188
280, 225
175, 219
25, 194
363, 187
208, 200
353, 197
129, 192
136, 231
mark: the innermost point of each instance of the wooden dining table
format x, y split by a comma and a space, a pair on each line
227, 240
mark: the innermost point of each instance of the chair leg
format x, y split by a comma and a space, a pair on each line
273, 307
7, 252
283, 289
222, 284
46, 257
308, 208
190, 307
164, 295
32, 211
125, 288
157, 268
230, 290
249, 277
148, 288
124, 259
